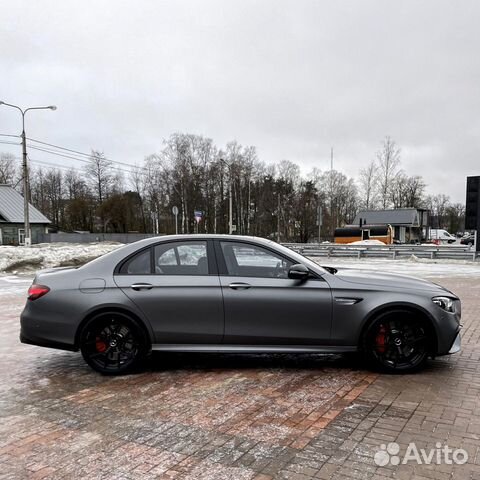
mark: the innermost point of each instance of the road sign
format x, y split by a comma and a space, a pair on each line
319, 216
198, 214
175, 212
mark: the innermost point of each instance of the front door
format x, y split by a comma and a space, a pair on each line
263, 306
21, 236
176, 287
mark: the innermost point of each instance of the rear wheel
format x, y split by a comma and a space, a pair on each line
397, 342
113, 344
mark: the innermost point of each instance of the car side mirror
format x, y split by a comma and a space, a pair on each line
298, 272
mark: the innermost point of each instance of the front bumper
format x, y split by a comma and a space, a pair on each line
457, 344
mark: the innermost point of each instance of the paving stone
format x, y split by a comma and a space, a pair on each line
232, 416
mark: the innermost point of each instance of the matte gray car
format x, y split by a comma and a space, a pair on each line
223, 293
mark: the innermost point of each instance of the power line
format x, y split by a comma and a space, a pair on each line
53, 152
89, 155
6, 142
9, 135
49, 164
71, 157
61, 148
77, 169
66, 167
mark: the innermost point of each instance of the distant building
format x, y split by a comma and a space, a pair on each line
12, 218
409, 224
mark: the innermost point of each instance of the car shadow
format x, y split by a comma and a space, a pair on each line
161, 361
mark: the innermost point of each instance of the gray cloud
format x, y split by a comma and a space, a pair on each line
291, 77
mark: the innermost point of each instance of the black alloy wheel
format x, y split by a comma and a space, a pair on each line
113, 344
398, 342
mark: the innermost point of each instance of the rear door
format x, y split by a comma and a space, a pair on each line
263, 306
176, 286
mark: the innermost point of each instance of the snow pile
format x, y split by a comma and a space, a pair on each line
367, 242
47, 255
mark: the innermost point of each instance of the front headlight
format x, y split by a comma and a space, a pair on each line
445, 303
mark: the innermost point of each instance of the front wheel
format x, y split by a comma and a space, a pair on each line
397, 342
113, 344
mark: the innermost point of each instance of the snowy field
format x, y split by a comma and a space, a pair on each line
416, 267
46, 255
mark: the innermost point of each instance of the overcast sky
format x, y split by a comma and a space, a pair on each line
292, 78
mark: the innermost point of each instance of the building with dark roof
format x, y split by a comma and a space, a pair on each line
409, 224
12, 218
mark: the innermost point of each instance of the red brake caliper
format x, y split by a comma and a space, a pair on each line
100, 345
380, 339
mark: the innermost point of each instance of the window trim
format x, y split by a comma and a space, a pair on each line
211, 258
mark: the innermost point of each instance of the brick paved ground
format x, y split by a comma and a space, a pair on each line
232, 417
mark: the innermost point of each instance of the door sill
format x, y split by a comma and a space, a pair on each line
214, 348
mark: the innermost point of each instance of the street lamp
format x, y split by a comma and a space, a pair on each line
26, 189
230, 203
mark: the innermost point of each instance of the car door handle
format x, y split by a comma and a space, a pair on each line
141, 286
239, 286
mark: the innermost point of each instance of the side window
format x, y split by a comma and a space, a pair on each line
181, 258
246, 260
139, 264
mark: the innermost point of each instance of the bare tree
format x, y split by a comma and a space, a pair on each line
388, 159
99, 172
8, 168
438, 204
368, 185
407, 192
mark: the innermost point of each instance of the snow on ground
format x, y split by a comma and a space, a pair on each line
15, 285
47, 255
417, 267
367, 242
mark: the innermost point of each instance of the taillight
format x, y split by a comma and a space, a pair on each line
37, 291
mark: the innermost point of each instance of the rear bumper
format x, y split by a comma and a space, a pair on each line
42, 342
44, 333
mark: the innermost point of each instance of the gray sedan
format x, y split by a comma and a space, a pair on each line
223, 293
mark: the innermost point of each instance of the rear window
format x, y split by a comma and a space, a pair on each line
139, 264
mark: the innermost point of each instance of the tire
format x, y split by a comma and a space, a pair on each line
397, 342
113, 344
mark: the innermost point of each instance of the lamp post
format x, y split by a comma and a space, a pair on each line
230, 202
26, 188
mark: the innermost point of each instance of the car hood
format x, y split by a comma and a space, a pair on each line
390, 280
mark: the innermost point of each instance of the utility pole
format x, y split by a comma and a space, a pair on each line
26, 183
319, 220
230, 206
278, 218
230, 200
331, 193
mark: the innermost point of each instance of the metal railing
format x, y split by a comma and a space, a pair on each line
452, 252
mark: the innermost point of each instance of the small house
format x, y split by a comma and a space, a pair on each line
409, 224
12, 218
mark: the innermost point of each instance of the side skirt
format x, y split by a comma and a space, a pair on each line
159, 347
